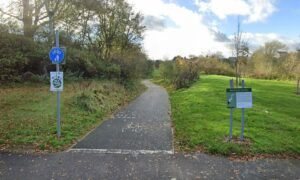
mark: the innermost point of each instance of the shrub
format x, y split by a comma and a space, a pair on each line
19, 55
99, 97
15, 51
213, 65
180, 72
167, 70
132, 63
90, 101
111, 70
186, 73
82, 62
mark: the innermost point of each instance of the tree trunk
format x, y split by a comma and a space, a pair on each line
27, 19
236, 72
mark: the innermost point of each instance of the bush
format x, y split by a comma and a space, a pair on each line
15, 52
90, 101
39, 79
132, 63
111, 71
213, 65
81, 62
187, 72
20, 55
167, 71
99, 97
180, 72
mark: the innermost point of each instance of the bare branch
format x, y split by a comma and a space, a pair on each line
41, 18
11, 15
37, 10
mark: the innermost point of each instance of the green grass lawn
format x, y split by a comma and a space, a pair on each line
201, 118
28, 113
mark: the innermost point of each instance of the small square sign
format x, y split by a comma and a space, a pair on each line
244, 99
56, 81
239, 98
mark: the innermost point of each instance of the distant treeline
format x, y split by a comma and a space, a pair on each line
271, 61
102, 39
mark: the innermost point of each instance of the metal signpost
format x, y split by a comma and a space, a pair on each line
56, 56
231, 111
238, 98
249, 103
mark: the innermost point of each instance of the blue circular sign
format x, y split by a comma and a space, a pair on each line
56, 55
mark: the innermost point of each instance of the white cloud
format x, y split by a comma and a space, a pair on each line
224, 8
259, 39
183, 32
254, 10
189, 36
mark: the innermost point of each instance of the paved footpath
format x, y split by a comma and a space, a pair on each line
144, 125
137, 144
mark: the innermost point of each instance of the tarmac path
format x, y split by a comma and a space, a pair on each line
143, 126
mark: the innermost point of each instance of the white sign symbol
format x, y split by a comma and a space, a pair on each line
56, 58
231, 97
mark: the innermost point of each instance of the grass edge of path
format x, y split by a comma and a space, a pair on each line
200, 148
79, 98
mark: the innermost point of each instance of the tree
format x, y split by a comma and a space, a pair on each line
119, 28
268, 63
240, 49
167, 70
261, 67
271, 49
33, 14
8, 25
104, 36
79, 22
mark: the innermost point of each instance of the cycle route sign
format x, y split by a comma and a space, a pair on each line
56, 55
56, 81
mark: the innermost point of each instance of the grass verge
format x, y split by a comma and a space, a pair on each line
28, 113
201, 118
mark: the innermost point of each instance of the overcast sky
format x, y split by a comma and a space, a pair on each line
195, 27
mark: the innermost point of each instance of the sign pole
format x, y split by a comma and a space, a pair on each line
58, 92
231, 114
243, 117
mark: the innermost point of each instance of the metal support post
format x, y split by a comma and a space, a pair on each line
243, 117
231, 114
58, 92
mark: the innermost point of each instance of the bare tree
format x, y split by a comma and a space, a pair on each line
240, 49
119, 27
